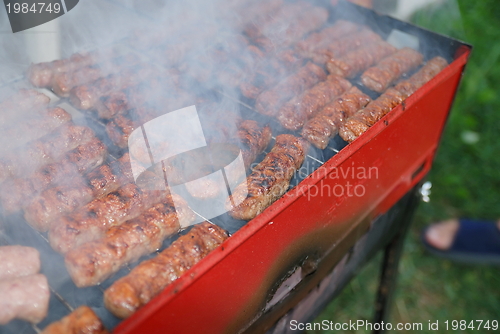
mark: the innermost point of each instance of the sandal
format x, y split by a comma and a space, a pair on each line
476, 242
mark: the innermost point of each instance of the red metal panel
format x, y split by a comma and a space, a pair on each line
229, 288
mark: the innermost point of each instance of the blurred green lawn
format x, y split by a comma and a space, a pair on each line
466, 182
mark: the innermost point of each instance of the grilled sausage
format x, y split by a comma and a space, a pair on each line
16, 192
59, 200
120, 128
41, 75
150, 277
295, 113
93, 262
358, 123
44, 150
63, 83
328, 35
361, 121
343, 45
360, 59
91, 221
17, 261
110, 177
269, 102
268, 71
183, 43
324, 126
26, 102
381, 76
142, 106
112, 104
30, 129
252, 140
25, 298
266, 25
148, 92
308, 20
269, 180
425, 74
85, 96
81, 321
229, 61
254, 10
122, 124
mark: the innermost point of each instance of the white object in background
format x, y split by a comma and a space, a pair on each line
425, 191
400, 39
43, 42
406, 8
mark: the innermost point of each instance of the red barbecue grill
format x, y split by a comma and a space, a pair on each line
284, 257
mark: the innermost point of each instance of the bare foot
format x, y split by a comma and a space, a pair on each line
442, 234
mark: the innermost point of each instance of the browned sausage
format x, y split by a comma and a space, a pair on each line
425, 74
343, 45
62, 199
17, 192
93, 262
381, 76
270, 101
360, 59
326, 36
91, 221
270, 178
297, 111
361, 121
150, 277
44, 150
358, 123
319, 129
81, 321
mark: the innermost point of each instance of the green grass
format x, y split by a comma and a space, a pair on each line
466, 182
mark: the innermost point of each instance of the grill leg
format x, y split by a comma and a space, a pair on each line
390, 263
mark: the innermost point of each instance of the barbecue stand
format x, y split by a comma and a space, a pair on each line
278, 259
387, 233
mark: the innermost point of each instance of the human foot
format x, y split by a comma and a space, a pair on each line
464, 240
441, 235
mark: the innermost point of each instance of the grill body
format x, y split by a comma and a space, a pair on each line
309, 228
